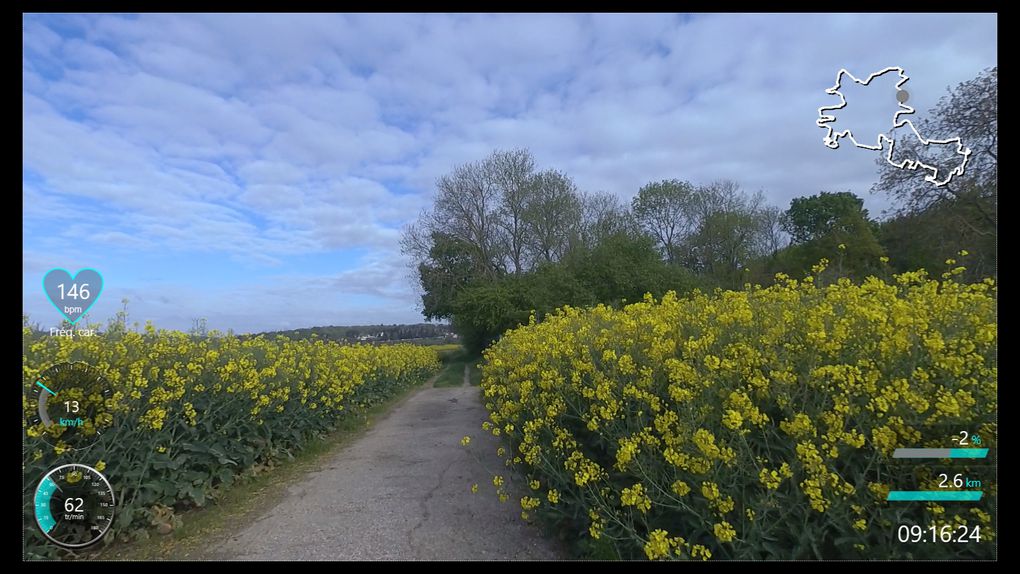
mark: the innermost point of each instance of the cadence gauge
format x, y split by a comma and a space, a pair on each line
74, 505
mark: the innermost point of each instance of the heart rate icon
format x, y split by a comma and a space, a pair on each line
73, 296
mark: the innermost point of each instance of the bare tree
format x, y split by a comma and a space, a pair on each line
666, 210
512, 172
720, 195
731, 229
553, 215
466, 207
602, 215
772, 236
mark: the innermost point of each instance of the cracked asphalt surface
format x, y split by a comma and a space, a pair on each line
401, 492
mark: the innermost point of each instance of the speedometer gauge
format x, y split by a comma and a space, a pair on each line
71, 404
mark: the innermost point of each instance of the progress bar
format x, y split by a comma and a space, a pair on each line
935, 495
940, 453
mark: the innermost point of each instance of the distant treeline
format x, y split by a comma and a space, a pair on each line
373, 333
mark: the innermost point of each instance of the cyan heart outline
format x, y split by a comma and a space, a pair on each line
73, 277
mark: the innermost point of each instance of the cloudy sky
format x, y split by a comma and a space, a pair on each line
256, 170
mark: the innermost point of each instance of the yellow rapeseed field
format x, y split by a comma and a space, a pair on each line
188, 415
750, 424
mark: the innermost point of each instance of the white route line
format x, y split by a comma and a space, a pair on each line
831, 139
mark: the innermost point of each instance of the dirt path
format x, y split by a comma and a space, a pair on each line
400, 492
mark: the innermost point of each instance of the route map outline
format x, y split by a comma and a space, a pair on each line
831, 139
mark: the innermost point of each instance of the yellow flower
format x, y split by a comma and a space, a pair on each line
553, 496
732, 419
712, 362
800, 426
529, 502
100, 466
813, 489
465, 441
860, 524
628, 448
658, 545
681, 488
724, 532
190, 414
597, 524
769, 478
710, 490
534, 484
699, 550
474, 488
497, 481
841, 246
635, 496
705, 441
983, 516
723, 504
879, 490
785, 471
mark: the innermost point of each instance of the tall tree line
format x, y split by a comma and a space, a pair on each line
505, 240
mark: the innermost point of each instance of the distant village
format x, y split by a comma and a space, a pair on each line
380, 334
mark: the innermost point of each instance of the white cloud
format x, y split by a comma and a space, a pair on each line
259, 138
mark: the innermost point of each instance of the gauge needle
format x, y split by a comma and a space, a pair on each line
44, 386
